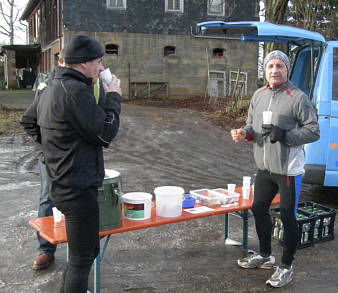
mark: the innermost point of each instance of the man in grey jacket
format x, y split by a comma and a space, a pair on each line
279, 156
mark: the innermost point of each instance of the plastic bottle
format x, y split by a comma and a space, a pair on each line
276, 229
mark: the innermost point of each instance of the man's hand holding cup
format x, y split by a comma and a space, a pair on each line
110, 82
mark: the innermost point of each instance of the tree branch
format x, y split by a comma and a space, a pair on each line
5, 16
5, 31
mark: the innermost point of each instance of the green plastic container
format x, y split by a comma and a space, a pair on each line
110, 203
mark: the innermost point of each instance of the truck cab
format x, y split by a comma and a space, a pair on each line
315, 71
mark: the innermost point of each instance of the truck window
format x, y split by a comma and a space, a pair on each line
301, 74
335, 75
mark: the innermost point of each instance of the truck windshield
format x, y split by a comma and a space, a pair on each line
301, 74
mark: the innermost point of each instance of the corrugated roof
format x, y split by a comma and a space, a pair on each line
25, 48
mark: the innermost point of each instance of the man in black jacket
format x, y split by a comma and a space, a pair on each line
73, 131
46, 250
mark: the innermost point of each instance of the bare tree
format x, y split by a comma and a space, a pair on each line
276, 12
9, 12
315, 15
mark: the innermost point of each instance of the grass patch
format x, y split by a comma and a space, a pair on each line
18, 99
9, 120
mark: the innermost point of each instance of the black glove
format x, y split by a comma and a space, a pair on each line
266, 129
277, 134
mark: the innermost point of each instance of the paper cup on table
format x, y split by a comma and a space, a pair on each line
106, 76
57, 215
231, 189
246, 181
246, 192
267, 116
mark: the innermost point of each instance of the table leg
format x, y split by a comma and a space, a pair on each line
245, 229
97, 263
227, 240
226, 226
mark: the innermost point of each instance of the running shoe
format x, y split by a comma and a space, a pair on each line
257, 261
281, 277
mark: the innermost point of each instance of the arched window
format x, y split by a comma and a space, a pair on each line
218, 52
112, 49
169, 50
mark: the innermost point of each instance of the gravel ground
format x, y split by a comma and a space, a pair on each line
157, 146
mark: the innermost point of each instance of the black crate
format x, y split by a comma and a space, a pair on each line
306, 225
325, 217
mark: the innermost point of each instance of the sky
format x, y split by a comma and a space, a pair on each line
20, 37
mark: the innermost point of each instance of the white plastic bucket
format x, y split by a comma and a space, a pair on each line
169, 201
137, 205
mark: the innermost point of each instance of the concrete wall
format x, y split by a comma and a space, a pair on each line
187, 71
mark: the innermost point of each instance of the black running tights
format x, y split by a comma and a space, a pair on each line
82, 227
266, 186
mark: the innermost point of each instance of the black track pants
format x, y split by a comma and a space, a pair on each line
82, 227
266, 186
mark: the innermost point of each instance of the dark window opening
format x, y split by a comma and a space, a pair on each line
169, 50
112, 49
301, 72
335, 75
218, 53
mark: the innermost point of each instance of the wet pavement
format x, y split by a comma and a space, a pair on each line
157, 147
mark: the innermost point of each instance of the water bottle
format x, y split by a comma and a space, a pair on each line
276, 229
281, 232
316, 230
305, 235
326, 223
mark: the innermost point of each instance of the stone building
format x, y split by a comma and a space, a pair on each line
151, 45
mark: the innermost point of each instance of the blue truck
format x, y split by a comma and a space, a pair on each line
315, 71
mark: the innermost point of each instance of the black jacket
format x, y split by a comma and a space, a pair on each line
29, 117
73, 131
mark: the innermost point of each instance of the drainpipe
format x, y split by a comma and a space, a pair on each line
26, 28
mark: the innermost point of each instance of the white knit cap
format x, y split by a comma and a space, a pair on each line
277, 55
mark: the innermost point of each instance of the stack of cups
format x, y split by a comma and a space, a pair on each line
246, 187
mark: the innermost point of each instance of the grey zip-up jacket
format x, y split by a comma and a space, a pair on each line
293, 111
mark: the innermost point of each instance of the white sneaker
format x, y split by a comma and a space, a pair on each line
281, 277
257, 261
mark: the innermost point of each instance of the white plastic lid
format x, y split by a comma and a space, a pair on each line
138, 196
108, 173
169, 190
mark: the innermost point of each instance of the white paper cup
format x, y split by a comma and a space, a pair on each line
231, 189
267, 115
106, 76
246, 192
246, 185
57, 215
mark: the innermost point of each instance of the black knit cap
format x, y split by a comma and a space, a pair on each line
81, 49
